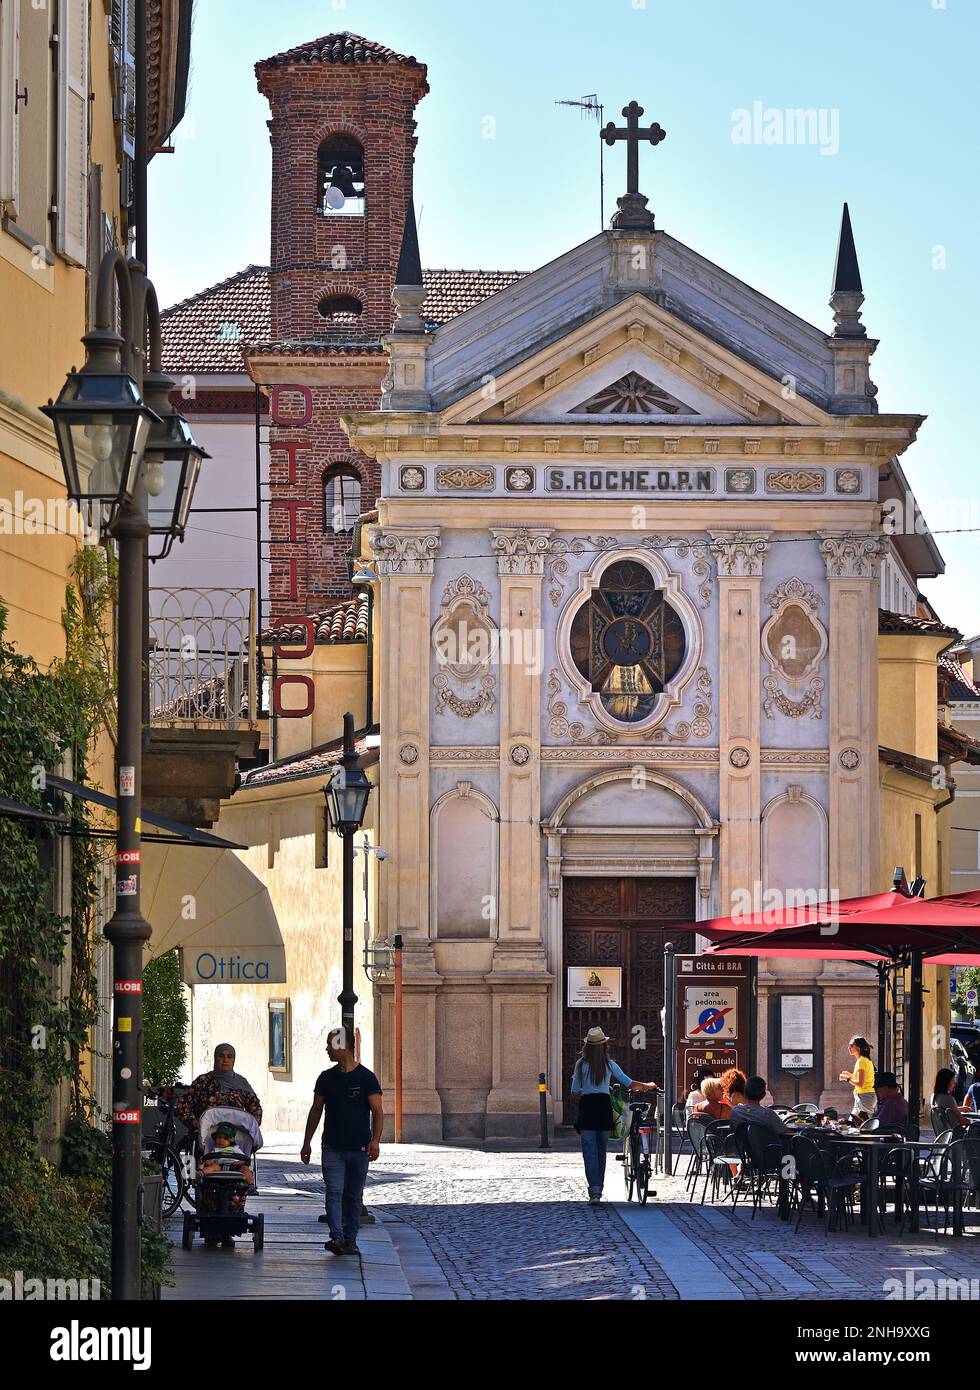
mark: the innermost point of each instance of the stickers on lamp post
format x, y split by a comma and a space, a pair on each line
127, 781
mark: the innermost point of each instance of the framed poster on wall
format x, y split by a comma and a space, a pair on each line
595, 987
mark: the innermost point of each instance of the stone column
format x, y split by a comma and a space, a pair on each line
406, 558
852, 576
519, 976
740, 559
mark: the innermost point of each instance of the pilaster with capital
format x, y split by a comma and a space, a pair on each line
405, 558
852, 575
519, 975
740, 560
520, 562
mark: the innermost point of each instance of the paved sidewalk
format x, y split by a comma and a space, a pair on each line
501, 1222
293, 1263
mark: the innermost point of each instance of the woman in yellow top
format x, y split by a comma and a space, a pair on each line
862, 1078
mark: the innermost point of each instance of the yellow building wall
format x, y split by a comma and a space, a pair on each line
43, 316
284, 827
42, 323
914, 834
339, 674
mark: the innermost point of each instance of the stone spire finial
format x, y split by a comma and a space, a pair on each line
408, 293
847, 296
409, 270
854, 391
404, 386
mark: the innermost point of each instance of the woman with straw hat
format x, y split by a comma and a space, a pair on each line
594, 1071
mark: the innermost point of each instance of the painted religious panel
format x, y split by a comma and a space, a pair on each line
627, 641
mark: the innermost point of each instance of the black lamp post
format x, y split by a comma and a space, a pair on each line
347, 797
105, 433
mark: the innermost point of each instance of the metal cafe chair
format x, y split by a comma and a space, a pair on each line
761, 1154
949, 1173
817, 1172
722, 1163
696, 1129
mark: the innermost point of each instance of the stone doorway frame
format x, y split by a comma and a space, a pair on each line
645, 851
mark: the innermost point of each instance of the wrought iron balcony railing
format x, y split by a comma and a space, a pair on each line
205, 660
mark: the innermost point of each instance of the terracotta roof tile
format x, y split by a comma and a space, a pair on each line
449, 293
342, 622
960, 687
343, 47
205, 332
312, 764
208, 331
899, 624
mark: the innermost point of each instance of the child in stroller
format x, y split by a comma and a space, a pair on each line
226, 1157
227, 1140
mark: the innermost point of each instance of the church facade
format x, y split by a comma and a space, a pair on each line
627, 581
620, 522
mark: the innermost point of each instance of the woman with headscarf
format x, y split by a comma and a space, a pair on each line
223, 1085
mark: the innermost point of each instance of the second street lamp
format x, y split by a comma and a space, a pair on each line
347, 795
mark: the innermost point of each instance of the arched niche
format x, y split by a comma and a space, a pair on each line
464, 872
794, 847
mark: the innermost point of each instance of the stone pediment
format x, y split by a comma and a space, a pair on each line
633, 361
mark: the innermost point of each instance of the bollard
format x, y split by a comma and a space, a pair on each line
543, 1102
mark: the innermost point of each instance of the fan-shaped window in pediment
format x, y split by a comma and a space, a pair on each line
627, 642
633, 394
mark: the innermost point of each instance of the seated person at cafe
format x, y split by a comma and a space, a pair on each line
714, 1104
695, 1095
943, 1100
733, 1084
753, 1111
892, 1107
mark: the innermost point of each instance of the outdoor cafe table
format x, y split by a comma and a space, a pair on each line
870, 1145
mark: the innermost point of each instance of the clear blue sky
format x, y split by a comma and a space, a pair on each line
901, 74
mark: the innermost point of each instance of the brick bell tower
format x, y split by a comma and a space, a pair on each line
343, 144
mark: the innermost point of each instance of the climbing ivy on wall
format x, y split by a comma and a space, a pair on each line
47, 718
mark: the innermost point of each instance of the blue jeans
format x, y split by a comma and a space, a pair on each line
594, 1153
344, 1174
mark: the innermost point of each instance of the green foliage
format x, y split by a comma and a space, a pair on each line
54, 1224
967, 977
51, 1226
164, 1020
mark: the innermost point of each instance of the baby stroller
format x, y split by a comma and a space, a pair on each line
220, 1197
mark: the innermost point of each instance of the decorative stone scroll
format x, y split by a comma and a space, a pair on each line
684, 549
794, 641
852, 557
739, 556
556, 567
520, 551
404, 551
795, 480
465, 640
777, 699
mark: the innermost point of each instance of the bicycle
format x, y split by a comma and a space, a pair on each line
163, 1147
639, 1143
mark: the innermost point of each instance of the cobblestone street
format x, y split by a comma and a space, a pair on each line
512, 1223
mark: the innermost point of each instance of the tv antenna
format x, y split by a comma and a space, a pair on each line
590, 106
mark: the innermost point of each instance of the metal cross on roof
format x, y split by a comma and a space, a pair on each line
633, 205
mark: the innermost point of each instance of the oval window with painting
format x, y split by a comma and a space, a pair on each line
627, 641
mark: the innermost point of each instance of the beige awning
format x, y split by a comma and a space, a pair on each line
207, 902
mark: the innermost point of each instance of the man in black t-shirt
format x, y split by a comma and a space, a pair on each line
348, 1096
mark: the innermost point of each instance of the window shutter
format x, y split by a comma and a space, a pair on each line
72, 129
9, 71
122, 30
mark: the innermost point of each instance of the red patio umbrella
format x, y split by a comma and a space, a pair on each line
878, 927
